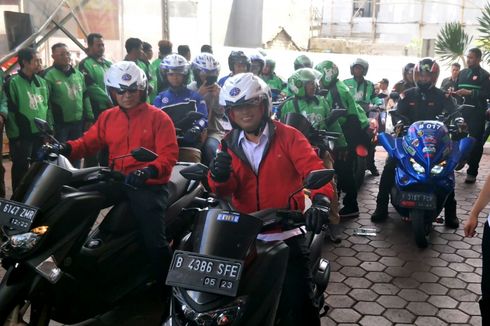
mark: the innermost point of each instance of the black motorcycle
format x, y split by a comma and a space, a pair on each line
223, 275
58, 261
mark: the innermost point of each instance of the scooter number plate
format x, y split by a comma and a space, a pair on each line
418, 200
205, 273
16, 215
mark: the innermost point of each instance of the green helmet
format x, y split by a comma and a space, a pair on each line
329, 71
302, 62
298, 80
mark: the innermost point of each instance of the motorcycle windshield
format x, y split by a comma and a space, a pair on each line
41, 182
428, 142
225, 233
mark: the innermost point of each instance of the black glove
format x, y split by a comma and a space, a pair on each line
220, 167
59, 149
138, 178
317, 214
191, 136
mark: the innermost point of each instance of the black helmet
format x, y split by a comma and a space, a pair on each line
238, 57
426, 66
408, 69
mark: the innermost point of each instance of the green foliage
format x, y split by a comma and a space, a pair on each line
484, 29
452, 43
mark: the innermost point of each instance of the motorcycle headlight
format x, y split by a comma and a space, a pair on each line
223, 316
438, 168
417, 167
21, 243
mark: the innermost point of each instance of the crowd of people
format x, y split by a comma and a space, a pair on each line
98, 109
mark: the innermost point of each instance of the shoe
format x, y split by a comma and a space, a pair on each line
349, 211
460, 166
374, 171
470, 178
379, 215
451, 220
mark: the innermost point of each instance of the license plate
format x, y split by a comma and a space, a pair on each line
418, 200
205, 273
16, 215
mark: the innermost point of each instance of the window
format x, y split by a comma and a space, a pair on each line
363, 8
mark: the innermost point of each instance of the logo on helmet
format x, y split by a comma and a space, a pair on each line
126, 77
235, 91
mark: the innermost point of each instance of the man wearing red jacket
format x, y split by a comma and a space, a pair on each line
261, 163
132, 124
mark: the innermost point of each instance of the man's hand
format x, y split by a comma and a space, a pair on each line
220, 167
191, 136
58, 149
138, 178
470, 226
463, 92
317, 214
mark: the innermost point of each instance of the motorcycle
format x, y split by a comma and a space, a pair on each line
223, 275
58, 261
426, 158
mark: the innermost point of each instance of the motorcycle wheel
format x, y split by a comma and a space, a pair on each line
420, 227
359, 170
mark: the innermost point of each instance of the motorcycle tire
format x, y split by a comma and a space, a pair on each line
420, 226
359, 171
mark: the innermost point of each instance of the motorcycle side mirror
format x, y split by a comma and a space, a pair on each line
334, 115
142, 154
298, 121
43, 126
195, 172
318, 178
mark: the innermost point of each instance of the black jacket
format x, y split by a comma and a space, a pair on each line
478, 80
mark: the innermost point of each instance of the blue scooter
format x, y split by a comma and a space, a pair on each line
427, 153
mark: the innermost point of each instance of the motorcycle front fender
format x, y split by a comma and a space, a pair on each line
388, 143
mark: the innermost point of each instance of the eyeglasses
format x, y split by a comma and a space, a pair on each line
123, 91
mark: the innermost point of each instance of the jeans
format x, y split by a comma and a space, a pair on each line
297, 291
21, 151
69, 131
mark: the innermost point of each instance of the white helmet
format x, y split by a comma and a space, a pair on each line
174, 63
125, 75
245, 88
206, 63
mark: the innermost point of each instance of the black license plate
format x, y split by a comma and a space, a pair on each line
418, 200
205, 273
16, 215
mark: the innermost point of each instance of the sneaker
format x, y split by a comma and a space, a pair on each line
470, 178
349, 211
379, 215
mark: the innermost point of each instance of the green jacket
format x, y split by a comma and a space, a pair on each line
363, 93
316, 111
348, 103
3, 97
146, 67
94, 71
68, 101
274, 82
27, 99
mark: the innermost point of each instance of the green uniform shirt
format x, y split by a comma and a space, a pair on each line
316, 111
94, 71
274, 82
27, 99
3, 97
363, 93
145, 66
69, 101
348, 103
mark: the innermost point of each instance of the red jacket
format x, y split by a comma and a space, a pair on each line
287, 159
122, 131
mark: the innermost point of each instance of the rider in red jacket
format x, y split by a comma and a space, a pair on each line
260, 165
130, 125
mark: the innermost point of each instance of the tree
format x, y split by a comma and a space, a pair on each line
452, 43
484, 29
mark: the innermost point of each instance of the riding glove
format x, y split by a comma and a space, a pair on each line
317, 214
220, 167
138, 177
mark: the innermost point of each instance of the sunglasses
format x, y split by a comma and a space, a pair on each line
123, 91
